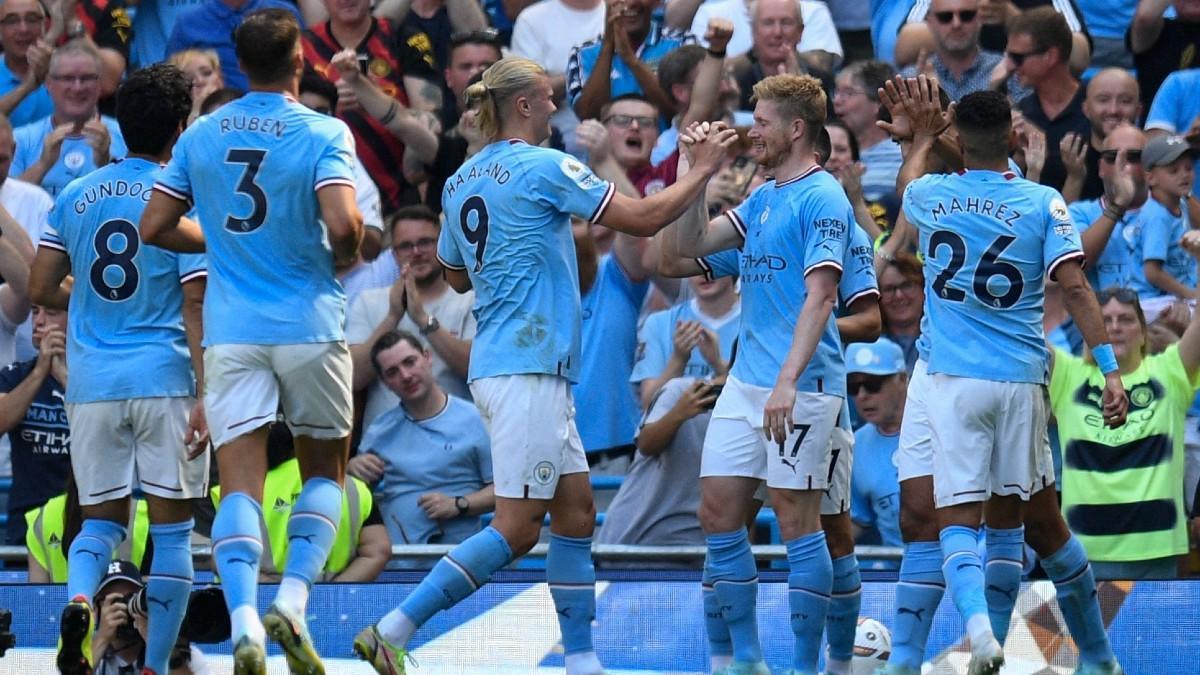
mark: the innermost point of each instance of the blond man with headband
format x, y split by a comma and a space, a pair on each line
776, 416
508, 236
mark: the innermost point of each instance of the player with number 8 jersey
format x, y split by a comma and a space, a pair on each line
508, 236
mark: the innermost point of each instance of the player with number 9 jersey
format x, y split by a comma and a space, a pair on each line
986, 263
271, 276
126, 304
508, 225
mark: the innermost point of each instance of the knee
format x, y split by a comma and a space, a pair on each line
1045, 533
918, 522
717, 517
839, 536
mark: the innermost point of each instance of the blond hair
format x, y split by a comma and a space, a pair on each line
179, 59
796, 97
500, 83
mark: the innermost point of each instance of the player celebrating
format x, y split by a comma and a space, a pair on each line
508, 235
130, 306
776, 416
990, 240
267, 172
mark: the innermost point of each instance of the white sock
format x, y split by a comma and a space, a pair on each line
584, 663
835, 667
244, 621
396, 628
979, 628
292, 595
720, 661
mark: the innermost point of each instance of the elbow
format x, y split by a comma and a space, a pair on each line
150, 232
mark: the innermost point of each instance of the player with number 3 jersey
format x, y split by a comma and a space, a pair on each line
508, 236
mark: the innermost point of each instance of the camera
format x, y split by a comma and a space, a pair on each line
206, 620
714, 390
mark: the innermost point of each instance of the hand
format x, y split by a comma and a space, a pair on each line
624, 47
718, 34
412, 297
346, 64
196, 439
923, 107
924, 66
710, 348
397, 303
98, 137
1175, 318
1191, 242
994, 11
1000, 73
889, 95
52, 146
723, 187
850, 176
707, 145
1114, 401
367, 467
1035, 152
53, 345
438, 506
468, 128
38, 56
777, 415
347, 99
685, 338
1073, 150
790, 64
113, 615
592, 135
699, 398
1119, 187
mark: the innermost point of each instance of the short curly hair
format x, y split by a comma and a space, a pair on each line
152, 105
796, 97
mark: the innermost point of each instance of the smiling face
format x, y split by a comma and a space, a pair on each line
22, 22
342, 12
959, 35
1112, 100
414, 245
635, 17
776, 30
901, 299
1173, 180
840, 155
770, 137
632, 132
74, 86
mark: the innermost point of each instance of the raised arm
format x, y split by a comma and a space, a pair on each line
1147, 24
1189, 344
707, 85
1081, 303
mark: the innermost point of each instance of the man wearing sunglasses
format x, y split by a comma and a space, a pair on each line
877, 380
959, 63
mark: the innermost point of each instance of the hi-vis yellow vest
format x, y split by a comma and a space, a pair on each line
43, 537
280, 491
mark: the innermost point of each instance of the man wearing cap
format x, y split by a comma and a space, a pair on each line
877, 378
1162, 269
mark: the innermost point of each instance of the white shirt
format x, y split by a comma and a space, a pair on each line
366, 195
30, 206
453, 312
546, 32
819, 31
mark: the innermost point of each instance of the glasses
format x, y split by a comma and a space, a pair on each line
488, 36
1019, 59
1110, 156
964, 16
626, 121
28, 19
905, 288
407, 247
77, 79
869, 385
1126, 296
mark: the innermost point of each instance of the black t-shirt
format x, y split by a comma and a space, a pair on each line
451, 153
1176, 49
439, 30
41, 459
1054, 174
1093, 187
995, 37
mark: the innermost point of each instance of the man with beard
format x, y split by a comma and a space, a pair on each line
959, 63
420, 302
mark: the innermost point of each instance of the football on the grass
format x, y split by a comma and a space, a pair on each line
872, 646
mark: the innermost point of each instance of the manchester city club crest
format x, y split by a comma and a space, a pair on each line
544, 473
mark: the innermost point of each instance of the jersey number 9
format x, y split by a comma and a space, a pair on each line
477, 236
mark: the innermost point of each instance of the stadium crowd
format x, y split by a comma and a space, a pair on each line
1101, 113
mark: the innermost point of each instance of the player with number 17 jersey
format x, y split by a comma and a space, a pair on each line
986, 263
508, 225
126, 304
254, 201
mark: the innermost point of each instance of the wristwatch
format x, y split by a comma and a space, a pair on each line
430, 326
462, 505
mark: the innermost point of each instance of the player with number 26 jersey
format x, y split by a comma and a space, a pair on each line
127, 300
256, 200
516, 246
986, 261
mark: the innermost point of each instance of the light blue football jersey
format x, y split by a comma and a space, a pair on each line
789, 230
125, 336
989, 240
656, 339
1116, 264
1158, 239
508, 225
255, 166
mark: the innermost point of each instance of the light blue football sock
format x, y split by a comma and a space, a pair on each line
1075, 586
918, 595
457, 575
810, 582
90, 553
237, 548
1002, 575
735, 580
841, 623
572, 580
311, 529
167, 590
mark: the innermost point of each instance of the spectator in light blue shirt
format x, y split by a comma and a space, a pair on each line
210, 26
26, 56
429, 460
877, 379
75, 138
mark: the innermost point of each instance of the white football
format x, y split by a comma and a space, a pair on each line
872, 646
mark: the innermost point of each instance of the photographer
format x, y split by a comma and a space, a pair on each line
119, 644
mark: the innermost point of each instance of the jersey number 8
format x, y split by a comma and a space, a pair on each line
106, 257
989, 266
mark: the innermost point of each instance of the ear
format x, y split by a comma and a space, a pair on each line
523, 107
799, 129
679, 91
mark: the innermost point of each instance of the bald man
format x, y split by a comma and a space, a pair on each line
1112, 100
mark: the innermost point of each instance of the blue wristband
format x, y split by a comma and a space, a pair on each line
1105, 358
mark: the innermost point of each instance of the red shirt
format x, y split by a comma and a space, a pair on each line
649, 179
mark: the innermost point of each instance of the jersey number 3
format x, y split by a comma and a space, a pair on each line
252, 160
479, 234
106, 257
989, 266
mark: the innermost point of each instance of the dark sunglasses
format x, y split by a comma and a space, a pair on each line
1019, 59
1110, 156
964, 16
870, 385
488, 36
1125, 296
